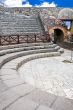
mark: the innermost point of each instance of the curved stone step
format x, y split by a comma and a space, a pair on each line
15, 64
26, 97
24, 45
7, 51
8, 57
15, 84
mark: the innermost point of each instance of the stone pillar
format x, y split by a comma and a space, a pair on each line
72, 28
18, 39
0, 40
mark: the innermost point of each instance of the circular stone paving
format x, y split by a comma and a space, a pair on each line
49, 74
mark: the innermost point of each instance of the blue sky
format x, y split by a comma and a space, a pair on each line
37, 3
59, 3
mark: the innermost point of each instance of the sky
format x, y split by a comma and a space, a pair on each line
38, 3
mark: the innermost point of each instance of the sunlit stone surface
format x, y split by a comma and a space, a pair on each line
49, 74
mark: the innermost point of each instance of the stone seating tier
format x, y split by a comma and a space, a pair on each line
9, 78
12, 84
9, 54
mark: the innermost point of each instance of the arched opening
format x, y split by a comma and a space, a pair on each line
58, 35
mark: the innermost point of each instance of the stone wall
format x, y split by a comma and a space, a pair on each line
47, 15
51, 11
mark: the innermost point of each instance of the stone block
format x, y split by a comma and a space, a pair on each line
62, 103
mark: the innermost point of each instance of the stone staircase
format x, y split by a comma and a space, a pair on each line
15, 94
19, 24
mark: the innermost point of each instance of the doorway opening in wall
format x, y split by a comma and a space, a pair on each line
58, 35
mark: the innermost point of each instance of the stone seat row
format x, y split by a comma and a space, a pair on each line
25, 45
50, 48
15, 86
19, 51
20, 95
9, 54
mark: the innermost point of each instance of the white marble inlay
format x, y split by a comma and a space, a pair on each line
49, 74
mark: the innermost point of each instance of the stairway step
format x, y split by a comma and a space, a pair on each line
12, 24
9, 57
24, 45
3, 52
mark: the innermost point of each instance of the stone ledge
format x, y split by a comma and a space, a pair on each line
13, 79
24, 45
8, 58
8, 51
37, 56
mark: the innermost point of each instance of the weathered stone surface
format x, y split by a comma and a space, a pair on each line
3, 86
42, 97
23, 104
10, 24
8, 51
10, 56
24, 45
41, 107
63, 104
43, 74
6, 98
61, 50
9, 77
23, 89
16, 94
13, 82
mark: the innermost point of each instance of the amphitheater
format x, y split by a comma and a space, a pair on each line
35, 72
